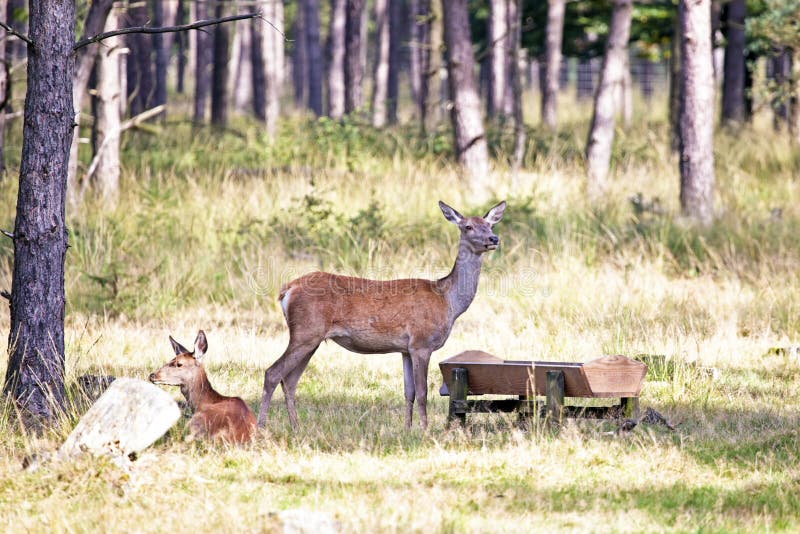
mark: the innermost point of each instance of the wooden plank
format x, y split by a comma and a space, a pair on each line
615, 376
575, 382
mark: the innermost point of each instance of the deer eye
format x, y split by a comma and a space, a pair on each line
179, 364
468, 227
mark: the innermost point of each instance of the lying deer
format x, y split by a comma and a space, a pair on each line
215, 416
409, 316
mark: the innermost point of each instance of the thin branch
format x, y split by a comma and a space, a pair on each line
6, 295
164, 29
16, 34
7, 234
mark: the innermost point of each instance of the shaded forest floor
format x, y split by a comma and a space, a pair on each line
210, 224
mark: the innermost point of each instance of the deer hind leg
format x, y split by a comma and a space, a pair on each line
408, 388
289, 385
420, 358
294, 354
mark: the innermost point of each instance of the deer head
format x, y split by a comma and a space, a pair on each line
184, 367
476, 232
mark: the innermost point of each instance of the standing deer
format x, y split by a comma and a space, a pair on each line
409, 316
215, 416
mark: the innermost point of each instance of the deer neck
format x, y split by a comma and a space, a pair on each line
459, 287
198, 391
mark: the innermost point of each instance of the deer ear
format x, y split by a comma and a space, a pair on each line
450, 214
200, 345
177, 347
494, 215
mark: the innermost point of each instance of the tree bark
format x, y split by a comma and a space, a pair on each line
5, 90
35, 373
520, 136
675, 86
380, 72
161, 54
612, 77
336, 36
314, 56
180, 40
498, 62
733, 94
794, 115
108, 113
697, 112
299, 59
84, 63
432, 93
470, 139
554, 34
781, 74
418, 37
203, 62
353, 67
219, 78
240, 83
140, 72
392, 91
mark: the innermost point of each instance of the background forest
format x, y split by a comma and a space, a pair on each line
652, 211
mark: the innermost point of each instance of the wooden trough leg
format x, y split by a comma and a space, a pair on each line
554, 392
458, 396
630, 407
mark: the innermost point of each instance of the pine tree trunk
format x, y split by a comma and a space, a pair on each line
161, 52
697, 112
433, 64
550, 83
35, 373
470, 139
418, 37
395, 37
140, 72
299, 59
336, 36
241, 86
520, 136
497, 59
612, 77
781, 74
380, 73
181, 42
314, 54
203, 61
794, 115
353, 67
5, 92
268, 64
675, 74
219, 78
734, 69
105, 178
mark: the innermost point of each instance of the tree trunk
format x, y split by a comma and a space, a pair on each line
203, 62
180, 40
734, 69
84, 63
418, 37
353, 68
515, 26
392, 91
35, 373
553, 40
268, 63
432, 95
675, 86
5, 91
241, 86
781, 74
105, 178
314, 56
140, 73
697, 112
161, 53
497, 60
612, 77
470, 140
336, 36
794, 115
380, 74
219, 77
299, 59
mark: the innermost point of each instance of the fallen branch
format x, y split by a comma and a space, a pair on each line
163, 29
16, 34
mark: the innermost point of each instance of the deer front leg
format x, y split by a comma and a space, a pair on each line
289, 385
408, 387
419, 360
291, 358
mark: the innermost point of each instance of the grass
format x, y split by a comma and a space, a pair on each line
210, 224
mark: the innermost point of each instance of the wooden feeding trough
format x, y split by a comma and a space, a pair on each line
479, 373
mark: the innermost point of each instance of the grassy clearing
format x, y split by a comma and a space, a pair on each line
209, 225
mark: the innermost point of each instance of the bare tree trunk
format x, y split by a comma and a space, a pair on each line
314, 56
85, 60
553, 40
336, 36
105, 178
734, 70
781, 64
497, 60
35, 373
418, 36
299, 59
241, 86
393, 94
697, 112
353, 68
5, 90
675, 74
433, 65
203, 62
219, 78
160, 43
181, 38
794, 115
470, 139
140, 72
520, 137
612, 74
268, 64
380, 74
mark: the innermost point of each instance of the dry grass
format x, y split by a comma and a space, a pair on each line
204, 236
